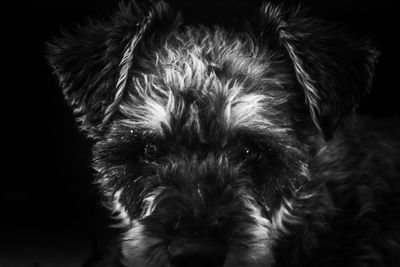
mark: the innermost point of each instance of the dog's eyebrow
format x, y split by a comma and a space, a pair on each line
245, 111
251, 111
149, 116
148, 109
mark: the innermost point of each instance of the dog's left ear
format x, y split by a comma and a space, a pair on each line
333, 69
94, 62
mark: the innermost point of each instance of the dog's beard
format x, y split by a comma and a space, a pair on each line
250, 243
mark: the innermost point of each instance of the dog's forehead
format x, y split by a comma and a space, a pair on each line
202, 75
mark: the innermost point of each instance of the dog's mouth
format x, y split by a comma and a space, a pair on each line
196, 254
211, 256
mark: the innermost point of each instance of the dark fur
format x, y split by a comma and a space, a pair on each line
234, 146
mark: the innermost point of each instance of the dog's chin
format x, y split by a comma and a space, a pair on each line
159, 257
247, 259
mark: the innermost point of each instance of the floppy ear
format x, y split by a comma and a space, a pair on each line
333, 69
93, 63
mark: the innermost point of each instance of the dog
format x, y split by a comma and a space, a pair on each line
234, 146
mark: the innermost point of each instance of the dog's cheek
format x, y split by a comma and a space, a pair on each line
118, 163
270, 180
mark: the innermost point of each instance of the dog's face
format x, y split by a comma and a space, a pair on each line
201, 132
195, 157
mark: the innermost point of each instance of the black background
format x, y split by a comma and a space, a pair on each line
48, 204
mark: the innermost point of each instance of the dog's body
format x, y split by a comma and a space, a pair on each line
208, 153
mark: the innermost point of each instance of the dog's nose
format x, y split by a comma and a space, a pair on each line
196, 254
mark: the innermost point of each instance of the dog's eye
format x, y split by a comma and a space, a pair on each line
251, 153
151, 151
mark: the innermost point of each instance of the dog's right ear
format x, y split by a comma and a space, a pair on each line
93, 63
334, 69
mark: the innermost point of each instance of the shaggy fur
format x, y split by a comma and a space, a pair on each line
218, 147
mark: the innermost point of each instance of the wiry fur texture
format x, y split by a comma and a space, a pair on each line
230, 148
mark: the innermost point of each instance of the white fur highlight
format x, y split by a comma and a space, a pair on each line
149, 202
284, 216
302, 75
125, 65
136, 244
119, 212
260, 253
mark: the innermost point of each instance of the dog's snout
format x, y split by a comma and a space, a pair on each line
196, 254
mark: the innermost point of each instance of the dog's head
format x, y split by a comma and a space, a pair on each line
200, 132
